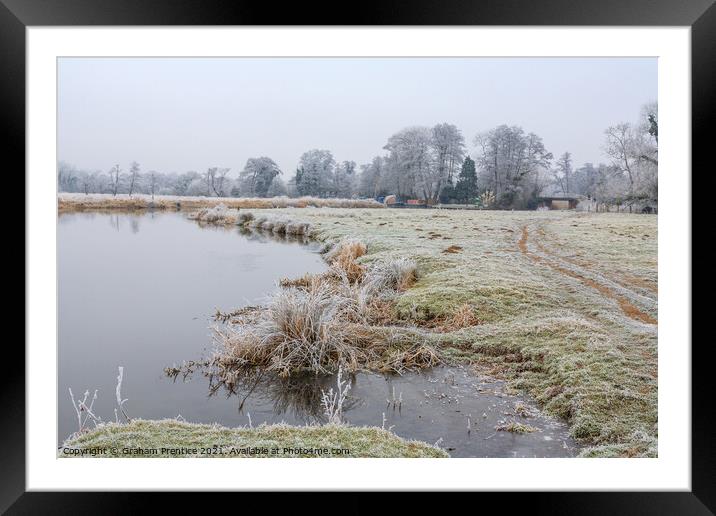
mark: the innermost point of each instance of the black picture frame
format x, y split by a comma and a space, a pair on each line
700, 15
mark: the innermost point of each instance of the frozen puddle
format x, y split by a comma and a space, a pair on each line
431, 406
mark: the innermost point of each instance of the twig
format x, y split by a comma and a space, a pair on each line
120, 401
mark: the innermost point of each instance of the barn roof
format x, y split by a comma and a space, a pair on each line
561, 197
554, 192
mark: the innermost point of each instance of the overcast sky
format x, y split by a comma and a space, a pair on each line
175, 115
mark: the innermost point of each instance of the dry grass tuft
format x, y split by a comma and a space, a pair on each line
392, 274
218, 214
515, 428
307, 281
418, 356
463, 317
343, 258
297, 330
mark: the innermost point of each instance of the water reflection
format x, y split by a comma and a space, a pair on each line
447, 404
298, 395
117, 221
139, 290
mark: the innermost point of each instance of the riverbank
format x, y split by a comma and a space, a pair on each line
73, 202
563, 305
171, 438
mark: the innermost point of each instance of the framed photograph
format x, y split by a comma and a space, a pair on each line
420, 249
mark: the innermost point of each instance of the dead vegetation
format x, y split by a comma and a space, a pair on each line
70, 202
515, 428
319, 323
464, 316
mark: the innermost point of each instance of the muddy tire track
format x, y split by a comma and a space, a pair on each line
555, 263
626, 281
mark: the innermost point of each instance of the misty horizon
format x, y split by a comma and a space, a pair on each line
181, 114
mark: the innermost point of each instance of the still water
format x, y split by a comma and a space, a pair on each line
139, 291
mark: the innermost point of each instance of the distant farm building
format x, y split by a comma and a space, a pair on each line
392, 201
553, 198
559, 202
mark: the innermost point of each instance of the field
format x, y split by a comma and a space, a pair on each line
565, 305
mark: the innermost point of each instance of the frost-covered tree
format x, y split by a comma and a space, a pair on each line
87, 181
510, 162
184, 181
315, 173
650, 120
411, 162
66, 177
277, 188
257, 176
220, 181
115, 177
563, 172
633, 149
585, 180
370, 179
291, 188
133, 178
215, 181
344, 179
621, 146
449, 150
152, 182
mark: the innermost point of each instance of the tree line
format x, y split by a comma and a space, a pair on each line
508, 169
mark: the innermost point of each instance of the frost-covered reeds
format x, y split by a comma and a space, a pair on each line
68, 202
85, 410
324, 322
277, 224
333, 401
216, 214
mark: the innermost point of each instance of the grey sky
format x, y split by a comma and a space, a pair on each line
174, 115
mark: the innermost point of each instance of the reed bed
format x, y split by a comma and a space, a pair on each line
320, 323
70, 202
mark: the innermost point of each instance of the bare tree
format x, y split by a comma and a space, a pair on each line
218, 180
371, 179
87, 181
208, 179
344, 179
115, 175
622, 146
563, 172
510, 161
152, 182
410, 162
449, 148
133, 176
66, 177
